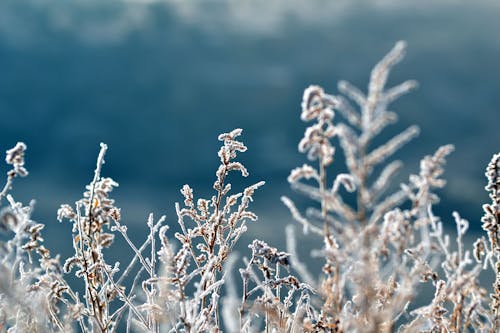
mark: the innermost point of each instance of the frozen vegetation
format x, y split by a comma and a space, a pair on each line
381, 245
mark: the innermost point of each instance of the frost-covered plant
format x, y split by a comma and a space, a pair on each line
216, 226
491, 224
31, 294
91, 218
181, 287
377, 253
380, 249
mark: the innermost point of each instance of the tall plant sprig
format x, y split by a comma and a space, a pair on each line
216, 226
92, 220
355, 136
95, 220
34, 296
491, 224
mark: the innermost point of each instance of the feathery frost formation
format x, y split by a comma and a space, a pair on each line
381, 245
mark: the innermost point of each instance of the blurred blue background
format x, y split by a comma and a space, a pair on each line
159, 80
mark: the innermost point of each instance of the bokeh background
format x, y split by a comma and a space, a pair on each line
159, 80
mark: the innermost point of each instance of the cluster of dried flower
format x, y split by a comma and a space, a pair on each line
380, 249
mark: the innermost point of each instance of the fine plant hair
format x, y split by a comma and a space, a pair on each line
382, 244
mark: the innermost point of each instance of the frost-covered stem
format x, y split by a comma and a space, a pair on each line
99, 312
216, 312
245, 275
97, 175
361, 207
278, 286
244, 298
127, 300
54, 316
8, 185
137, 252
217, 210
337, 294
14, 157
291, 247
182, 303
185, 232
89, 290
218, 222
74, 296
457, 314
243, 301
152, 320
133, 261
324, 208
438, 235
